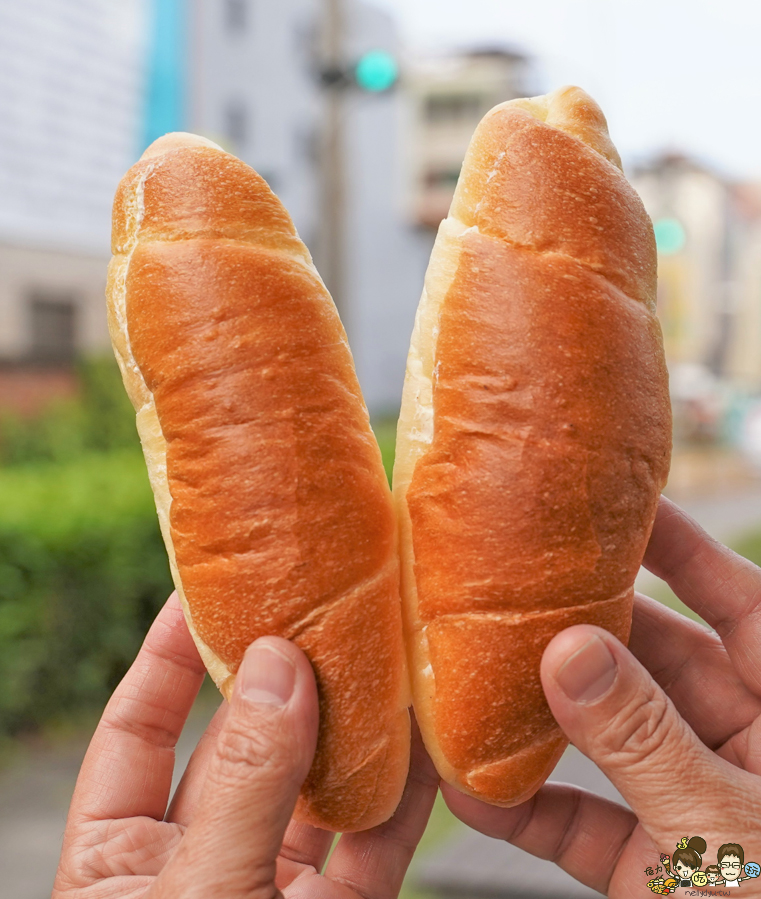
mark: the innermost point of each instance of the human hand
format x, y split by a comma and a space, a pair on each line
677, 732
226, 832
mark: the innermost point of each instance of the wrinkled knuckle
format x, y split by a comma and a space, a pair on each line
238, 747
257, 883
639, 730
566, 839
254, 881
245, 751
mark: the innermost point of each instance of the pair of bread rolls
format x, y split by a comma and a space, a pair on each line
533, 444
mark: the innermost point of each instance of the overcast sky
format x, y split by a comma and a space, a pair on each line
677, 74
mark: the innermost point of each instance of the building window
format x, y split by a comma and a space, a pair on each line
236, 14
308, 144
442, 178
453, 107
52, 328
236, 125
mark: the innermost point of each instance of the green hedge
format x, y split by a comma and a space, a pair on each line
750, 547
99, 419
385, 434
83, 571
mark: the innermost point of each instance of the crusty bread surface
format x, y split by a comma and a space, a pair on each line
268, 481
534, 437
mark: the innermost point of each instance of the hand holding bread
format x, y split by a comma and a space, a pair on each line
226, 831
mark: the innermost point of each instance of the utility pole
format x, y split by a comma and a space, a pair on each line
374, 72
332, 245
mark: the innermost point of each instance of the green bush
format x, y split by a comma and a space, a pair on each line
750, 547
83, 571
99, 419
385, 434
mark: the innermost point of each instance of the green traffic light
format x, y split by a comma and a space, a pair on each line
376, 71
669, 236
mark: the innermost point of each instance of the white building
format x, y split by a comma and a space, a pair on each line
70, 106
448, 96
85, 83
255, 87
708, 231
744, 348
695, 225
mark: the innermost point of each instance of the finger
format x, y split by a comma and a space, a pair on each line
263, 754
683, 657
127, 771
188, 793
721, 586
582, 833
373, 863
743, 749
613, 711
302, 845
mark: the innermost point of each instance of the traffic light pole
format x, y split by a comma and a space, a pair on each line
375, 72
333, 242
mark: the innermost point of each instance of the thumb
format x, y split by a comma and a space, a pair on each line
613, 711
263, 755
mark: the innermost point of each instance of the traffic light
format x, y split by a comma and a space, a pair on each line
669, 236
376, 71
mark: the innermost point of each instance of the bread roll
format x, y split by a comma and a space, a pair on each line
534, 436
271, 495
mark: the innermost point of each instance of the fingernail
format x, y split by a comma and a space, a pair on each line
588, 673
266, 675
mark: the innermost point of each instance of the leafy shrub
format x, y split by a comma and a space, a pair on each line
83, 571
100, 418
750, 547
385, 434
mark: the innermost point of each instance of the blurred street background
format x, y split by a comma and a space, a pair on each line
358, 114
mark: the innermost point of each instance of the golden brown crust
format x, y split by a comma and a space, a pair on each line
545, 411
488, 704
535, 186
200, 192
268, 480
534, 437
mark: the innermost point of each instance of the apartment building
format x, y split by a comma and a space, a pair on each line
258, 86
695, 223
448, 96
85, 85
70, 88
744, 346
